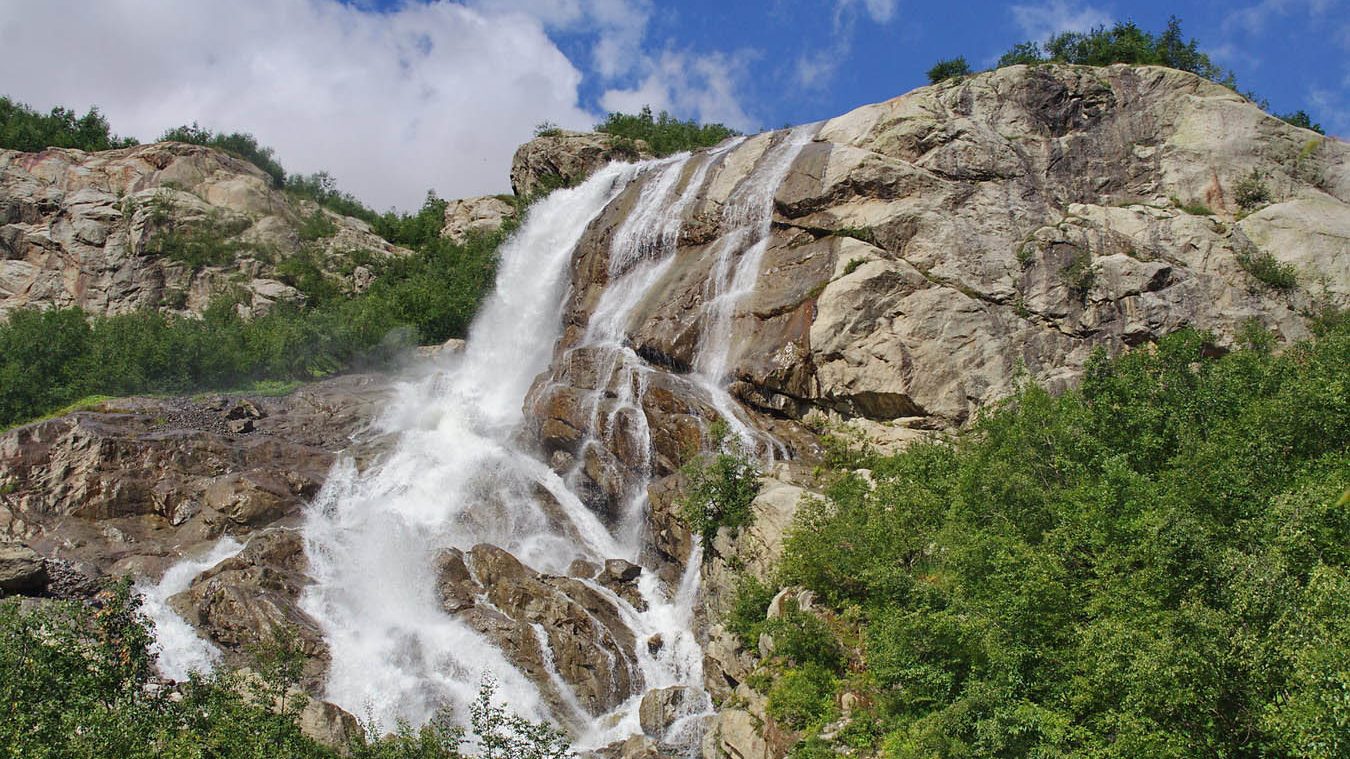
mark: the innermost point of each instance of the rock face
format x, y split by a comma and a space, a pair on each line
566, 158
545, 625
130, 485
164, 226
469, 216
923, 254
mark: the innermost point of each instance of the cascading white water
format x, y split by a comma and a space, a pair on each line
456, 477
178, 649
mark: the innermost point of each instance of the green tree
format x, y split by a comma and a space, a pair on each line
948, 68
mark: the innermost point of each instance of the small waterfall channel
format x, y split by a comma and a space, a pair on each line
460, 474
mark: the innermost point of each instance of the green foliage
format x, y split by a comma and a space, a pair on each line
22, 128
1194, 208
1156, 564
853, 265
1300, 118
664, 133
316, 226
197, 242
503, 735
1251, 192
1268, 270
802, 696
322, 188
1079, 276
948, 68
1023, 52
240, 144
719, 486
749, 601
546, 129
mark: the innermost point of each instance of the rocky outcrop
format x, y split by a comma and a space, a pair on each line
564, 159
131, 484
165, 226
552, 628
470, 216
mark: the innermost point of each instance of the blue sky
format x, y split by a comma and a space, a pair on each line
397, 96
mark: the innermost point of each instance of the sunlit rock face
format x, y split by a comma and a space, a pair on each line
166, 226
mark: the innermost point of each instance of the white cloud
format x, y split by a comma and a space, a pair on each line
390, 103
815, 70
1254, 18
880, 11
618, 26
1041, 21
700, 86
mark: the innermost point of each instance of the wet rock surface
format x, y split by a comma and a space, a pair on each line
545, 625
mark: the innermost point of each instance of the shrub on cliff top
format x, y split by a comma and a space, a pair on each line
664, 133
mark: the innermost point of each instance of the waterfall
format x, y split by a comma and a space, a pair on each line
457, 475
178, 649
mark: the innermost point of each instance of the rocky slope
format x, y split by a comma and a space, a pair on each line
166, 226
924, 254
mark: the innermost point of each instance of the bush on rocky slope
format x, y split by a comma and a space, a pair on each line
1154, 565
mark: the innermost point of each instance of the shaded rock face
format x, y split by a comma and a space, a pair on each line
165, 226
567, 158
551, 628
132, 484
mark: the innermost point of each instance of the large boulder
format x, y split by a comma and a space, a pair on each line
564, 159
545, 625
469, 216
22, 570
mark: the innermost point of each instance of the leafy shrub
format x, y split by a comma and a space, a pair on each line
749, 601
1079, 276
1152, 565
802, 696
1268, 270
547, 129
322, 188
664, 133
316, 226
240, 144
719, 486
1301, 119
1194, 208
948, 68
22, 128
1251, 191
